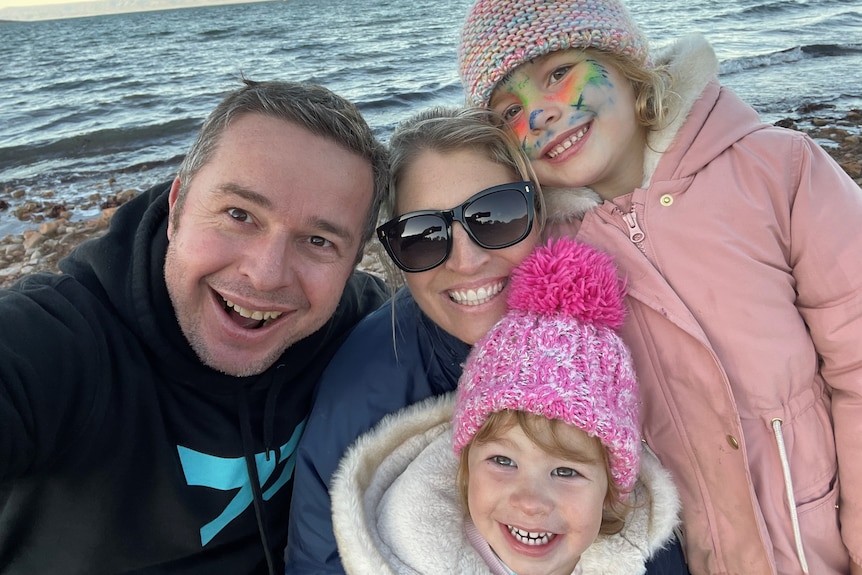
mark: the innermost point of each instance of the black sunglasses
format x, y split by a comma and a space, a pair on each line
495, 218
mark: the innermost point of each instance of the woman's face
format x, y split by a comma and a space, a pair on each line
466, 294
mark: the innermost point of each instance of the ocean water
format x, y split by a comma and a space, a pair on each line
107, 103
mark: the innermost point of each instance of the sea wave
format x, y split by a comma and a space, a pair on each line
787, 56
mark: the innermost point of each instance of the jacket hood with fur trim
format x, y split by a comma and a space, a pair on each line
694, 66
396, 506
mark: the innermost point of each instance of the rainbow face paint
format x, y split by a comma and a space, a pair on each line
582, 92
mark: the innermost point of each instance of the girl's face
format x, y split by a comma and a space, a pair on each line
537, 511
574, 114
466, 294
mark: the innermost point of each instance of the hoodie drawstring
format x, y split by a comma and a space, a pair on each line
269, 414
788, 484
251, 465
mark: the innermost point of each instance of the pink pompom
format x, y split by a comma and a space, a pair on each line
569, 278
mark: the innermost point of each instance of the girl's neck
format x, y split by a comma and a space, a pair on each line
627, 178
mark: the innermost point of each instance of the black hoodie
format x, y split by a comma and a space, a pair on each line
119, 451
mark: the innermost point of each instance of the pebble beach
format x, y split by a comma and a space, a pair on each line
54, 229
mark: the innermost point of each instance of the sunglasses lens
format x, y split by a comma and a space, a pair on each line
499, 219
419, 242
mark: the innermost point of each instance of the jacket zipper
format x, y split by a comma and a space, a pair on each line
636, 234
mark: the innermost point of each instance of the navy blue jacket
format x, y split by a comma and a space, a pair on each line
373, 374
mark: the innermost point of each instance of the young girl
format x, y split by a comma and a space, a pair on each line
741, 248
551, 478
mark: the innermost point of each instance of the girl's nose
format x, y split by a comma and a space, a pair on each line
541, 118
529, 499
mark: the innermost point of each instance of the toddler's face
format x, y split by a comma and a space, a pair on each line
538, 511
574, 114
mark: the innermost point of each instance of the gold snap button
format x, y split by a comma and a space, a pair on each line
733, 442
666, 200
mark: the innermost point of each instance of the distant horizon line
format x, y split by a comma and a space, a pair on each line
92, 8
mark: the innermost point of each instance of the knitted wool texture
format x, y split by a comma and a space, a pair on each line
557, 354
500, 35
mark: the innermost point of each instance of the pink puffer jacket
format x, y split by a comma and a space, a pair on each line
743, 256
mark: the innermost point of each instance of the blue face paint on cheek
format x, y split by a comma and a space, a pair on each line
533, 150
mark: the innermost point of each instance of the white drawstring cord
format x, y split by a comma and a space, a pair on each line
788, 484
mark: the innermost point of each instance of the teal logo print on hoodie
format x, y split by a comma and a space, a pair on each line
227, 473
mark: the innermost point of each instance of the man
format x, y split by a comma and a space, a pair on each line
152, 395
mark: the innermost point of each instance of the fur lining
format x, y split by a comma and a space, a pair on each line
567, 204
649, 526
362, 477
396, 508
693, 65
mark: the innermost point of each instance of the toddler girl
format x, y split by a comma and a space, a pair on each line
551, 478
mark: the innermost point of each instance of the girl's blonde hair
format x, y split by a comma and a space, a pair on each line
653, 87
543, 432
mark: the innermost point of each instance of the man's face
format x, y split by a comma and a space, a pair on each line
264, 242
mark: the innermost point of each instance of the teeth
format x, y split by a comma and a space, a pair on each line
568, 143
530, 537
252, 314
476, 297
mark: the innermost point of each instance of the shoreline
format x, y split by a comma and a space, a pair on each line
54, 232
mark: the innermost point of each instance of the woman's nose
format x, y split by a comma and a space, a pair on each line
466, 256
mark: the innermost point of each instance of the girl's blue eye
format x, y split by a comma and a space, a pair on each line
502, 460
564, 472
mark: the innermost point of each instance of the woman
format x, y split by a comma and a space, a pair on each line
455, 291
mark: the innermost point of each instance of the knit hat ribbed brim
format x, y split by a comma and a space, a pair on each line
500, 35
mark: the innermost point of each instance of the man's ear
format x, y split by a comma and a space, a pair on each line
172, 205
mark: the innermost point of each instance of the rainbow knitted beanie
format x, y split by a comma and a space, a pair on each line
557, 354
500, 35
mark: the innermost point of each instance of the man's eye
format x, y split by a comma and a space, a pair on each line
319, 241
564, 472
239, 215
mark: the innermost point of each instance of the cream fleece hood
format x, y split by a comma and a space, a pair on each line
396, 508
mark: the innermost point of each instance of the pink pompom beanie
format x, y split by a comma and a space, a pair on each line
557, 354
500, 35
